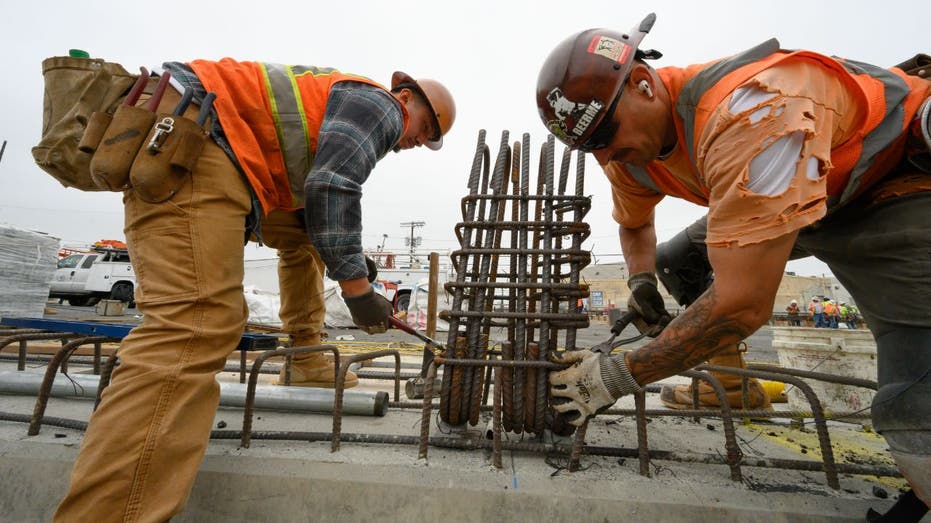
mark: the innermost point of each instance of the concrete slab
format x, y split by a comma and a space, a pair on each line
304, 481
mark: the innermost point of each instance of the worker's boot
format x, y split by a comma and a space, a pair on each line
314, 369
680, 396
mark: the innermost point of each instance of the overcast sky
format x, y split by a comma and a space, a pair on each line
487, 52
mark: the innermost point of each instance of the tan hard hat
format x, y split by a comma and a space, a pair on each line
438, 98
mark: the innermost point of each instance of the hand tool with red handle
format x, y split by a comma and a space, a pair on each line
428, 352
137, 88
152, 104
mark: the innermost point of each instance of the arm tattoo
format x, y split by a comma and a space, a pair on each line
692, 338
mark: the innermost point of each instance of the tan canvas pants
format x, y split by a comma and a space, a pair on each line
300, 275
145, 442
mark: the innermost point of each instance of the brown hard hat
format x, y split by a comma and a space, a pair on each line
438, 98
582, 79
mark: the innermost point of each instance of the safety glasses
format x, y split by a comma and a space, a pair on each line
606, 129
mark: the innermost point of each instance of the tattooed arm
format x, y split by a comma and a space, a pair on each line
738, 302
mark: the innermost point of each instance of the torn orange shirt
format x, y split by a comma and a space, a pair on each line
809, 104
796, 106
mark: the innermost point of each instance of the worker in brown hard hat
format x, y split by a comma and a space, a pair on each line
794, 154
290, 149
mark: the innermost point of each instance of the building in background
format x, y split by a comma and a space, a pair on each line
608, 289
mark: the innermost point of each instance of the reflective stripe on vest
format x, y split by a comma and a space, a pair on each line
696, 87
888, 129
290, 123
878, 138
642, 176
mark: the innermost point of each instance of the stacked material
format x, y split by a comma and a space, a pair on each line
27, 262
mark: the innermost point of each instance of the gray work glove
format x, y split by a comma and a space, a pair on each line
591, 385
646, 300
370, 311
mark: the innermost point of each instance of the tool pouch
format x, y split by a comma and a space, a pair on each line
96, 127
169, 154
118, 147
75, 88
918, 65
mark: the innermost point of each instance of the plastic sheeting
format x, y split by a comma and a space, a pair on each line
264, 306
27, 262
417, 309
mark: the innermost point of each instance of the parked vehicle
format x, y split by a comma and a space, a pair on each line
84, 278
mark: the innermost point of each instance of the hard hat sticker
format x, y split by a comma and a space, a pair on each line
578, 115
610, 48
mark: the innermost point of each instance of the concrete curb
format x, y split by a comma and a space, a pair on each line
233, 488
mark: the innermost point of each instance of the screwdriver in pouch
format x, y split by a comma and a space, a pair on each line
185, 102
137, 88
205, 105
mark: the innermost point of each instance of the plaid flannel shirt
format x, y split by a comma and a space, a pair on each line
360, 125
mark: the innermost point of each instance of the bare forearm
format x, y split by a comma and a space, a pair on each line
694, 336
639, 248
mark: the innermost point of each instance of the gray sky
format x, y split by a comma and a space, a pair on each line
487, 52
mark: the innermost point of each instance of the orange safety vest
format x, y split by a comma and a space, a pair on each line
890, 96
271, 115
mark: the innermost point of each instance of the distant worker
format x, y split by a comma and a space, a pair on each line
291, 148
793, 313
816, 309
852, 317
773, 142
831, 313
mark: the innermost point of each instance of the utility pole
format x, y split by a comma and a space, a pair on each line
412, 241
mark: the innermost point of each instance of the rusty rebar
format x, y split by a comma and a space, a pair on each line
479, 160
340, 386
425, 414
643, 448
287, 352
824, 439
45, 389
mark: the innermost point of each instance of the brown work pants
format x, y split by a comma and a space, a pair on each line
145, 442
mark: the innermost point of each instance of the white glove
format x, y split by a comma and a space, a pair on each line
593, 383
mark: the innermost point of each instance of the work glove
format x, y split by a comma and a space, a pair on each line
372, 269
591, 385
646, 300
370, 311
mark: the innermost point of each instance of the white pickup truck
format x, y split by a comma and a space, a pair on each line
86, 278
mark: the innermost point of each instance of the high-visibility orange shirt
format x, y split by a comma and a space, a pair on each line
815, 95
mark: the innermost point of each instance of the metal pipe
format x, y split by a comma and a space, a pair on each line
272, 397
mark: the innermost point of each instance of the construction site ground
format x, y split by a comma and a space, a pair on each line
293, 480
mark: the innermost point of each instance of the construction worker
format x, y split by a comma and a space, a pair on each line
830, 313
853, 316
816, 309
793, 312
773, 142
291, 147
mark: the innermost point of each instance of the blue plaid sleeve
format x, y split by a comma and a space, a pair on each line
360, 125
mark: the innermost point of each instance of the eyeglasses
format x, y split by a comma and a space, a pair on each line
606, 129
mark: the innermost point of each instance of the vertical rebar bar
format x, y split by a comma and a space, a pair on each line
478, 161
545, 294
